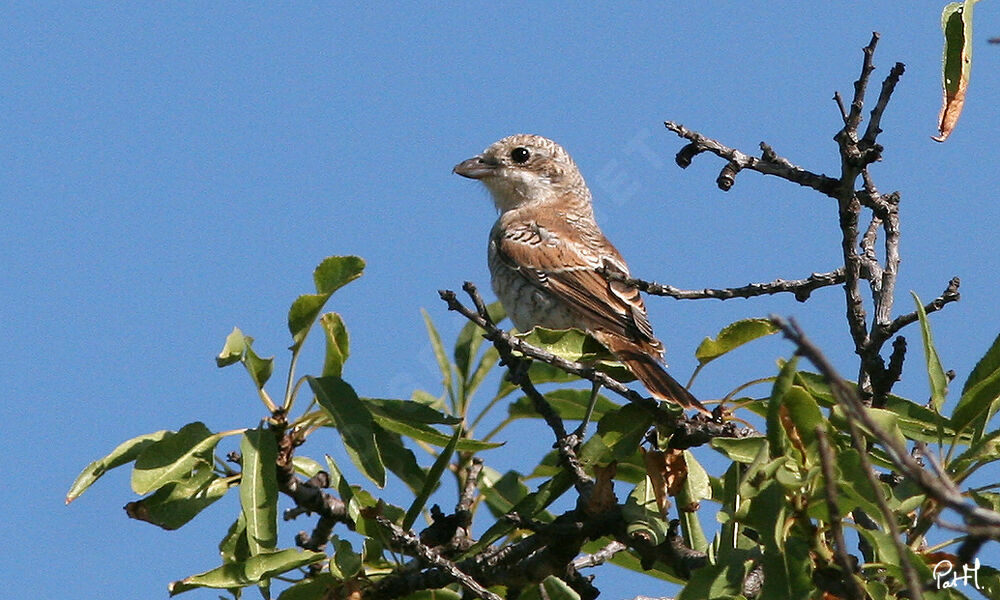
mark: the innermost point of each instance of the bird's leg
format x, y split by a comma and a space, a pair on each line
582, 429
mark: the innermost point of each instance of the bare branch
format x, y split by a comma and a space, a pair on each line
949, 295
769, 164
801, 288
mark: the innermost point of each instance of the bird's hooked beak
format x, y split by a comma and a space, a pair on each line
477, 167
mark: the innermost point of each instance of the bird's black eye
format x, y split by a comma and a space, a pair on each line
520, 155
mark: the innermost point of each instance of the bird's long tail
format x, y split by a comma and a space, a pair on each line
656, 379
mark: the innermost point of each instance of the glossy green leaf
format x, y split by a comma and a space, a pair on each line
408, 411
776, 438
123, 454
432, 480
429, 435
715, 581
470, 339
502, 494
643, 518
399, 459
742, 450
529, 507
553, 588
956, 23
232, 350
438, 594
489, 359
935, 372
619, 433
260, 369
346, 562
174, 504
337, 271
234, 547
338, 344
249, 572
331, 274
697, 487
733, 336
444, 365
318, 586
980, 395
259, 489
301, 316
173, 457
984, 451
571, 344
569, 403
354, 422
804, 416
887, 420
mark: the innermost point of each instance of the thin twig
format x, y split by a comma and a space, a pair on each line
801, 288
836, 526
409, 540
769, 164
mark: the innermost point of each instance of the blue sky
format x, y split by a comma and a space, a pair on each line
174, 170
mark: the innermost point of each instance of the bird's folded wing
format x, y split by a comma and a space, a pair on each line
568, 270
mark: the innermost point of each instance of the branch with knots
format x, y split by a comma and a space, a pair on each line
857, 149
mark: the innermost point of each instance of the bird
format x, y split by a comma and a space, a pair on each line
548, 258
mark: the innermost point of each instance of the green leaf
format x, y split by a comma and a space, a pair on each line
232, 350
318, 586
569, 403
489, 360
715, 581
776, 438
331, 274
571, 344
234, 547
173, 457
346, 562
259, 489
528, 507
470, 339
432, 480
742, 450
935, 373
337, 271
697, 487
444, 365
504, 493
804, 415
123, 454
338, 344
354, 422
642, 515
733, 336
408, 411
980, 394
248, 572
553, 588
956, 23
429, 435
302, 314
174, 504
887, 420
260, 369
619, 433
984, 451
399, 459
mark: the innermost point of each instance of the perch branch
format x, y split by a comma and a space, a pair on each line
801, 288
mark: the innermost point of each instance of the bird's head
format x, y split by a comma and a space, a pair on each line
525, 169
